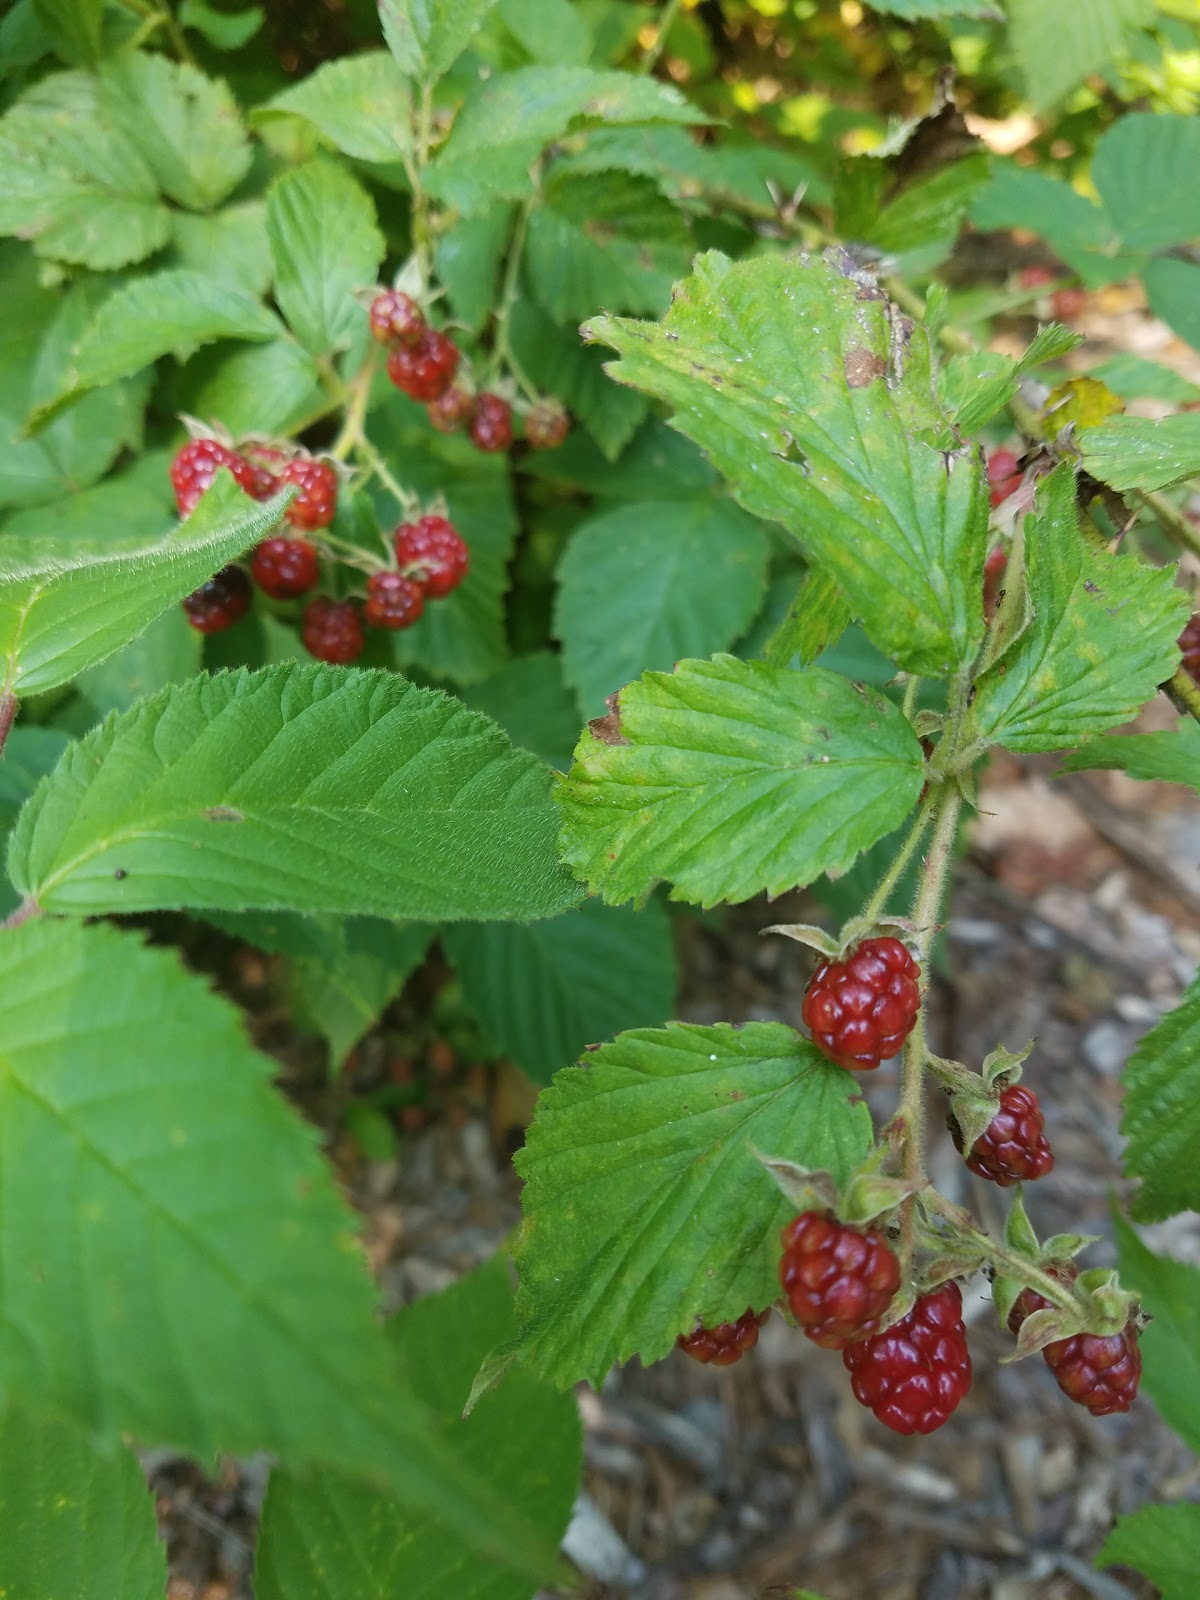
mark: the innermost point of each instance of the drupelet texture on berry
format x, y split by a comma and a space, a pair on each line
491, 426
839, 1280
425, 370
861, 1010
1101, 1372
196, 465
217, 604
316, 504
450, 411
914, 1374
393, 601
431, 551
285, 568
1012, 1148
396, 318
727, 1342
332, 631
546, 425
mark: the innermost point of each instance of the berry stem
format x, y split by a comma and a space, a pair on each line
502, 352
1174, 523
422, 118
1007, 1262
877, 904
650, 60
1184, 693
409, 504
8, 712
358, 394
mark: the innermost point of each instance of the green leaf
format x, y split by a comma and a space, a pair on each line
974, 387
920, 226
74, 27
728, 778
169, 651
530, 700
1101, 641
552, 32
469, 255
325, 243
236, 1316
361, 104
787, 373
66, 604
128, 505
78, 188
428, 36
164, 313
229, 246
29, 753
301, 788
186, 126
816, 618
1134, 378
911, 10
224, 30
559, 364
1075, 226
1173, 290
609, 239
255, 389
1161, 1116
523, 1437
645, 1205
1143, 171
1169, 757
510, 118
73, 1520
1087, 35
1163, 1542
643, 586
543, 993
1170, 1292
340, 998
1140, 453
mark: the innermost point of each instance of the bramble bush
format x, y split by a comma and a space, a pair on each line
387, 396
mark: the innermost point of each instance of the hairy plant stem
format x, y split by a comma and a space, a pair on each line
1008, 1262
409, 503
356, 398
1174, 523
1183, 693
877, 904
8, 711
502, 351
415, 170
650, 60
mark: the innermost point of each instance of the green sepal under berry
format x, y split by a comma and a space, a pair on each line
975, 1097
639, 1223
866, 1196
836, 947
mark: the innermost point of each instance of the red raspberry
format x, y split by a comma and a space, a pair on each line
1012, 1148
268, 464
727, 1342
432, 552
332, 631
396, 318
491, 426
449, 411
1029, 1300
1101, 1373
316, 503
839, 1282
393, 601
284, 568
546, 425
913, 1375
1067, 303
195, 467
425, 370
217, 604
1189, 644
1003, 475
1036, 277
862, 1009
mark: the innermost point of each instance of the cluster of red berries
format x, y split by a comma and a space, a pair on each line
423, 363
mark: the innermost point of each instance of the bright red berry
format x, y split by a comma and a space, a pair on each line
1003, 475
451, 410
913, 1374
332, 631
285, 568
546, 425
217, 604
432, 552
393, 601
727, 1342
491, 426
1189, 644
196, 465
396, 318
839, 1280
317, 481
1099, 1372
1012, 1148
862, 1009
424, 370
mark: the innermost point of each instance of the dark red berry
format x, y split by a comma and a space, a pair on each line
727, 1342
1189, 644
317, 481
1067, 303
432, 552
914, 1374
285, 568
1099, 1372
1036, 277
197, 464
839, 1280
217, 604
862, 1009
546, 425
1013, 1148
993, 578
393, 601
268, 464
451, 410
1029, 1300
491, 426
396, 318
1003, 475
424, 370
332, 631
